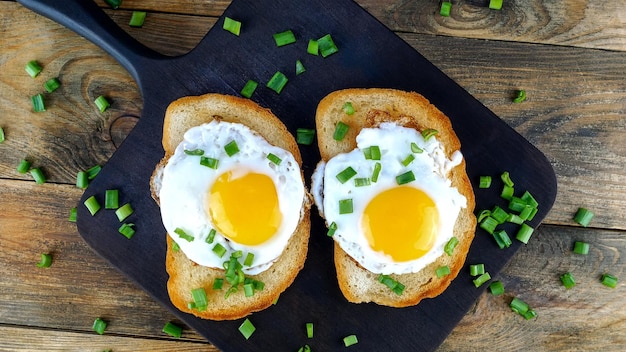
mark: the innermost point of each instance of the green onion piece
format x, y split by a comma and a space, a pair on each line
489, 224
99, 326
115, 4
345, 206
305, 348
568, 280
312, 48
428, 133
173, 330
506, 178
24, 166
299, 67
209, 162
46, 261
38, 176
507, 192
520, 95
258, 285
230, 291
33, 68
124, 211
496, 288
519, 306
529, 314
375, 152
305, 136
219, 250
514, 218
331, 229
445, 8
362, 182
1, 135
82, 180
481, 279
137, 18
273, 158
609, 280
284, 38
416, 149
237, 254
526, 212
249, 89
92, 205
499, 214
341, 129
232, 26
517, 204
102, 103
175, 246
218, 283
277, 82
405, 178
477, 269
327, 46
483, 214
200, 298
246, 328
249, 259
485, 182
93, 171
194, 152
111, 199
524, 233
495, 4
394, 285
211, 236
51, 85
231, 148
38, 103
309, 330
529, 199
450, 245
502, 239
128, 231
73, 214
581, 247
583, 216
348, 108
182, 234
409, 159
346, 174
248, 290
442, 271
376, 172
275, 300
350, 340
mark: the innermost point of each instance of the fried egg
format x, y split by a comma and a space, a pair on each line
227, 190
389, 201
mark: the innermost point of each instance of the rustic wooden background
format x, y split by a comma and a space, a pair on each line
569, 55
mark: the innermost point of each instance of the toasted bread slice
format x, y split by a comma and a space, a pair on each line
184, 274
408, 109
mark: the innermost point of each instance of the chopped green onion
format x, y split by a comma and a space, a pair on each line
218, 283
73, 214
514, 218
305, 136
219, 250
237, 254
502, 239
496, 288
506, 178
230, 291
51, 85
211, 236
128, 231
309, 330
173, 330
99, 326
416, 149
115, 4
248, 290
1, 135
350, 340
211, 163
102, 103
194, 152
409, 159
371, 153
524, 233
46, 261
445, 8
529, 199
331, 229
346, 174
305, 348
489, 224
246, 328
583, 216
348, 108
92, 205
300, 67
175, 246
38, 103
200, 298
428, 133
137, 18
526, 212
485, 182
499, 214
232, 26
111, 199
24, 166
581, 247
182, 234
312, 48
517, 204
477, 269
124, 211
93, 171
481, 279
249, 88
568, 280
33, 68
249, 259
405, 178
450, 245
495, 4
520, 95
393, 284
231, 148
362, 182
529, 314
483, 214
277, 82
345, 206
609, 280
327, 46
284, 38
341, 129
507, 192
273, 158
519, 306
442, 271
82, 180
38, 176
376, 172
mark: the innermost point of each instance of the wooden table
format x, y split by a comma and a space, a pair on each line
569, 56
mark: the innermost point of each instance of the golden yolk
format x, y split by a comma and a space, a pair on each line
244, 209
401, 222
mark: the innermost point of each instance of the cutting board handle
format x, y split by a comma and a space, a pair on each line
90, 21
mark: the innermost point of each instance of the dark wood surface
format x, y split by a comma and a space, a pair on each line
569, 56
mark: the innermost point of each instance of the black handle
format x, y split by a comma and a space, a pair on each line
88, 20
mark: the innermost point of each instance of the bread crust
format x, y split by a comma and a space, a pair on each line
184, 274
409, 109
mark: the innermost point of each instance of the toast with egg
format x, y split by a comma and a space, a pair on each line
369, 108
186, 275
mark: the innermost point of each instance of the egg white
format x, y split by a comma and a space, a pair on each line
184, 184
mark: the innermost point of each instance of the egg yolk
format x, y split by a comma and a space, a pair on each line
244, 208
401, 222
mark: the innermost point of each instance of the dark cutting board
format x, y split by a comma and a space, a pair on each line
370, 55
